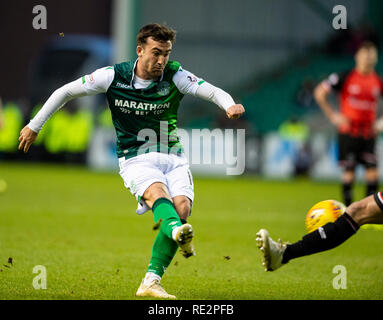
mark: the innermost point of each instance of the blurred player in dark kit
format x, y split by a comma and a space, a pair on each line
359, 90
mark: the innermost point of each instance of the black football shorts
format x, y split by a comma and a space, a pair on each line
356, 150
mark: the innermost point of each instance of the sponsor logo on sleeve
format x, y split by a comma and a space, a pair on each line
192, 78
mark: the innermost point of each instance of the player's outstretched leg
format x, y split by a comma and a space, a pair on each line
184, 235
331, 235
272, 251
164, 249
172, 226
184, 238
171, 235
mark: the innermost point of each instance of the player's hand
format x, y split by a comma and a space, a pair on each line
27, 137
338, 119
235, 111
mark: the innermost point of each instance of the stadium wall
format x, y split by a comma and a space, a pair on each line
231, 42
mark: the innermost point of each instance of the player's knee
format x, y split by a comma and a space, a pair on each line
155, 191
348, 176
372, 174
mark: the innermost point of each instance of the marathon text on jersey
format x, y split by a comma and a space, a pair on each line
140, 105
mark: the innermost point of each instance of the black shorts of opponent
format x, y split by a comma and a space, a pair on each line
356, 150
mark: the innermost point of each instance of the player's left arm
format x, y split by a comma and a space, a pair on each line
221, 98
188, 83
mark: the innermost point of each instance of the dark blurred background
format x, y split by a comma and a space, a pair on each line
268, 54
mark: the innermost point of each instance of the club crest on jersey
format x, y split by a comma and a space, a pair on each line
163, 88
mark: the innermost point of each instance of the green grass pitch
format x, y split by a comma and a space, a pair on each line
83, 228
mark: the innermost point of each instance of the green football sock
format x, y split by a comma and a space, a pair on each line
164, 250
164, 247
164, 209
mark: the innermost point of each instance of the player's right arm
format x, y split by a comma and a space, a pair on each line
97, 82
321, 94
188, 83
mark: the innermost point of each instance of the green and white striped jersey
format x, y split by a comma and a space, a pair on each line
146, 118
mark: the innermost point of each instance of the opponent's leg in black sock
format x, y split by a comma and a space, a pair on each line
325, 238
347, 193
371, 188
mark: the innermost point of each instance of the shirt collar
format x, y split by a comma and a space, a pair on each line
133, 74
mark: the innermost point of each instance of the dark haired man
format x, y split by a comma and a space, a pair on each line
359, 90
144, 96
